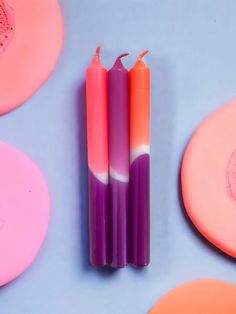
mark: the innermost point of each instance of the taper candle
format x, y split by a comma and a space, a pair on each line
97, 137
139, 77
118, 87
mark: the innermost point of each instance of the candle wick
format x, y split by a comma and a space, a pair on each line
98, 50
142, 55
123, 55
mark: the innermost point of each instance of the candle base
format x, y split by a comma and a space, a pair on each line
98, 221
140, 212
119, 204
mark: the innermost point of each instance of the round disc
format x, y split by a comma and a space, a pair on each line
24, 212
209, 179
198, 297
31, 35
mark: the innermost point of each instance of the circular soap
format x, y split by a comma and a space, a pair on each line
198, 297
31, 36
209, 179
24, 212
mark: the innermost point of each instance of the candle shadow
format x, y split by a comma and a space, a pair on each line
10, 284
195, 231
83, 186
83, 176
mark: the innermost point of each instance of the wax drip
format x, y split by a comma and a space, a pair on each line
7, 25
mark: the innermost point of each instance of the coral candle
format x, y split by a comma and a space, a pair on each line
118, 161
139, 163
97, 136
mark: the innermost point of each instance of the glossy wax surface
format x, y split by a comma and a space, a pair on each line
7, 24
98, 221
24, 212
208, 178
139, 105
97, 138
119, 162
198, 297
139, 163
31, 37
140, 211
119, 120
97, 123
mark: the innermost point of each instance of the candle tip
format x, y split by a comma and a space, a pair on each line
118, 62
142, 54
98, 50
122, 55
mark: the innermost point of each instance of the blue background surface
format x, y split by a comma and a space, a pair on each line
193, 61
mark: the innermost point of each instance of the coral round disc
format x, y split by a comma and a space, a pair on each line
199, 297
209, 179
31, 36
24, 212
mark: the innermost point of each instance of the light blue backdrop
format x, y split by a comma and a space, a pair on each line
193, 61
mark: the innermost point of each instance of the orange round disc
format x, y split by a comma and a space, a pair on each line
31, 35
209, 179
198, 297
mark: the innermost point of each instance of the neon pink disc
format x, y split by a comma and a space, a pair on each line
24, 212
31, 36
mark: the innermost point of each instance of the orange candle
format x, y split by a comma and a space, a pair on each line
139, 163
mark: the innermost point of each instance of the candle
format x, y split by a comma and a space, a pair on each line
97, 136
139, 77
118, 161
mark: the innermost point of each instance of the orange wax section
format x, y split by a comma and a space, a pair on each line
139, 77
97, 124
209, 179
32, 51
199, 297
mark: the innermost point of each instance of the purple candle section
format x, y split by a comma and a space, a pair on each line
139, 211
118, 118
98, 220
119, 162
119, 199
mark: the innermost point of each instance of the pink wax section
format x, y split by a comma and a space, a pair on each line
118, 119
209, 179
7, 24
31, 55
24, 212
97, 120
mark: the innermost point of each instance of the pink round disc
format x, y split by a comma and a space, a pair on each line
209, 179
24, 212
31, 36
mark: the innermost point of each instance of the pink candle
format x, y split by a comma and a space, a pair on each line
97, 135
